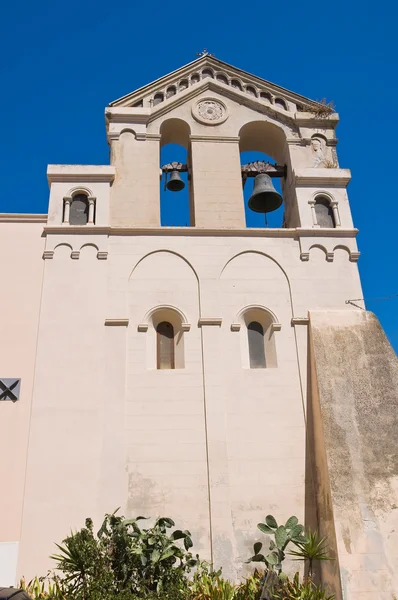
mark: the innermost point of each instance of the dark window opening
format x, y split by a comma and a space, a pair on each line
79, 210
255, 334
324, 213
165, 345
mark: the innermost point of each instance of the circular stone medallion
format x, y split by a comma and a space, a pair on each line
210, 111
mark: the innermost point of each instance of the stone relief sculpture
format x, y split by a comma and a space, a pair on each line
318, 152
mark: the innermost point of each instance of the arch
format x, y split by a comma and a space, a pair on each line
128, 130
344, 248
249, 307
195, 78
320, 247
223, 78
207, 73
235, 83
89, 245
280, 102
79, 190
171, 91
257, 325
183, 85
263, 136
63, 251
324, 211
167, 252
266, 96
175, 131
63, 244
251, 90
320, 136
158, 98
173, 316
148, 316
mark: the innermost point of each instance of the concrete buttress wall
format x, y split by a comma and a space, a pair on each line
355, 402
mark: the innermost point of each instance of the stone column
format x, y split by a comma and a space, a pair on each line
67, 203
91, 207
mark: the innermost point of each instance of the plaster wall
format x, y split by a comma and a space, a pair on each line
21, 248
214, 445
135, 192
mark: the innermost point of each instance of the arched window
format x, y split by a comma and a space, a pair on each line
281, 103
195, 78
79, 209
165, 345
183, 84
255, 334
157, 99
324, 213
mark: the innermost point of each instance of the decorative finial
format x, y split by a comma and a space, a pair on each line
204, 53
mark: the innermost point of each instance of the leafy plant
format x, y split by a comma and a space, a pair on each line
125, 558
305, 590
314, 548
292, 531
212, 586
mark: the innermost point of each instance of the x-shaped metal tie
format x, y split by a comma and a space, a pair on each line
6, 390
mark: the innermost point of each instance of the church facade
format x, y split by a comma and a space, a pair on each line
213, 373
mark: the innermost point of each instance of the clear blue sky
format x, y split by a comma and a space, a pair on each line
63, 62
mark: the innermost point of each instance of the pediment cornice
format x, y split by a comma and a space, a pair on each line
146, 115
186, 75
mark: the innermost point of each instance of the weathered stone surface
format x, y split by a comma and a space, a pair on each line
354, 401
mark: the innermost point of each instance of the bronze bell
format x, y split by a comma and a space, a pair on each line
264, 198
175, 183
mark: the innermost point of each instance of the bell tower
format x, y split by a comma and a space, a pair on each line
198, 369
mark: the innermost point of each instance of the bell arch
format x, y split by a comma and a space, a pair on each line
176, 198
262, 141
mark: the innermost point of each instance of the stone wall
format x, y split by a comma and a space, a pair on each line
353, 426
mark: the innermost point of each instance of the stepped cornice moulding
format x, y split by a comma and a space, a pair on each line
322, 177
80, 173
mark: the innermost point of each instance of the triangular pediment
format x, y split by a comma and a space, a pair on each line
210, 71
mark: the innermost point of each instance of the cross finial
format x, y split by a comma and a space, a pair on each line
204, 52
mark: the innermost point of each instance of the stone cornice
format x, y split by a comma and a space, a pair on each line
217, 65
320, 176
22, 218
214, 138
297, 232
80, 173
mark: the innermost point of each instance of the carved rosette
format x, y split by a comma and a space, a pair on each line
210, 111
